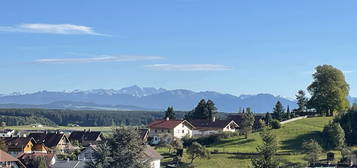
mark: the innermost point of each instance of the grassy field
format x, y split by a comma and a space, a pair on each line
291, 136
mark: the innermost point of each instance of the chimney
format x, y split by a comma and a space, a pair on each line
213, 119
167, 118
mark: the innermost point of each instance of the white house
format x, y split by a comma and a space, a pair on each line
153, 157
206, 127
167, 130
7, 133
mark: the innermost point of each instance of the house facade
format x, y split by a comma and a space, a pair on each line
167, 130
57, 142
16, 145
207, 127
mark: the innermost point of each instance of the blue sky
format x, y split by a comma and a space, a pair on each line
230, 46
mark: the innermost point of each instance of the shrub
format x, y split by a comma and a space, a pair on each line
334, 135
275, 124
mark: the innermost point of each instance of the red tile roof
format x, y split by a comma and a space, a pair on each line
167, 124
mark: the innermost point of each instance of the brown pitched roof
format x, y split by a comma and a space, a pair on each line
212, 125
49, 139
17, 143
151, 154
168, 124
5, 157
26, 158
84, 136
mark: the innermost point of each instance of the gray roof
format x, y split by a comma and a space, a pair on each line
69, 164
151, 154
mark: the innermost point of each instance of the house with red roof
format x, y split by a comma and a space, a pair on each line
167, 130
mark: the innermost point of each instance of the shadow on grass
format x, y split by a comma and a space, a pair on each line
241, 157
245, 141
287, 163
295, 145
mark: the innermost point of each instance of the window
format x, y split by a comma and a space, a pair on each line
155, 131
183, 131
168, 131
162, 130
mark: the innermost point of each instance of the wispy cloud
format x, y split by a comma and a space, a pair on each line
189, 67
102, 58
51, 29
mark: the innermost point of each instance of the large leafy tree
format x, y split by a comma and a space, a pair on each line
266, 152
278, 111
124, 149
329, 91
247, 122
196, 150
170, 113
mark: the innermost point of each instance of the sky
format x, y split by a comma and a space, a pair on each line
229, 46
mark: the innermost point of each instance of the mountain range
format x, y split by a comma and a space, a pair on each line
140, 98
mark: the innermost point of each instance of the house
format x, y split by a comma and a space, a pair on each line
206, 127
167, 130
152, 157
86, 137
87, 153
27, 158
7, 133
16, 145
8, 161
54, 141
238, 118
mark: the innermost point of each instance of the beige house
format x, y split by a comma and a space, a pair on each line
167, 130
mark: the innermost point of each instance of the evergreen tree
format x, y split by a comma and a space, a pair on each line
170, 114
329, 91
124, 149
334, 135
301, 101
247, 122
266, 152
278, 111
212, 110
268, 118
201, 111
288, 113
313, 150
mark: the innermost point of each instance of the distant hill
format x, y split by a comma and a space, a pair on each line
137, 98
